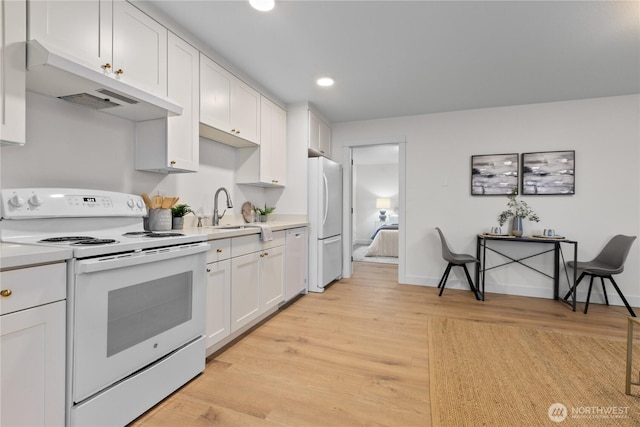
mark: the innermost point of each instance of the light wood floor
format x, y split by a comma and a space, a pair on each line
354, 355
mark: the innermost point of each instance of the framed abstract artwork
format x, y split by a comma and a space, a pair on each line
494, 174
548, 172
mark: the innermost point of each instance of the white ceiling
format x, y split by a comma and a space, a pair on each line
398, 58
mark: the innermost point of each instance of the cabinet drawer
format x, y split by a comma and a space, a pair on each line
247, 244
220, 250
33, 286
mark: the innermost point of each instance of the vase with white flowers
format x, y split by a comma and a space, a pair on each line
518, 210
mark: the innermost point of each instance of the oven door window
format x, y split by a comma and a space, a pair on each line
139, 312
128, 317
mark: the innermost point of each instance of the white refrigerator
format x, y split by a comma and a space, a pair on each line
325, 217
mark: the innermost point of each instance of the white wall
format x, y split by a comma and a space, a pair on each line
72, 146
604, 132
371, 182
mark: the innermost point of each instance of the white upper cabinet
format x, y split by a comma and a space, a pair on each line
215, 95
273, 160
245, 112
319, 136
184, 88
78, 30
171, 144
13, 21
266, 165
229, 108
109, 36
139, 49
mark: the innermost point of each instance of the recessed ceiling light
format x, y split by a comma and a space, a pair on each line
325, 81
262, 5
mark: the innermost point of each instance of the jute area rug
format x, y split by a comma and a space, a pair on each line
485, 374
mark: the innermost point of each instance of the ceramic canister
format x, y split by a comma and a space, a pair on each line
159, 219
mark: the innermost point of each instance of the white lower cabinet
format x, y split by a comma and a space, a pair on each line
218, 301
272, 278
32, 346
258, 285
245, 283
245, 290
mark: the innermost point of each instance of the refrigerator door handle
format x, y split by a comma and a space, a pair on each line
331, 240
326, 198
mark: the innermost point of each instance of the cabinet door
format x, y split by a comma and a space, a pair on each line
245, 290
139, 49
279, 146
319, 136
215, 95
218, 301
183, 143
245, 112
32, 350
273, 163
267, 171
325, 139
314, 132
13, 20
79, 30
271, 277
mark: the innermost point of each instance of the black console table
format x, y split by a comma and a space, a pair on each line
482, 246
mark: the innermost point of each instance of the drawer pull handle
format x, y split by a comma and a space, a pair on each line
6, 292
208, 270
219, 250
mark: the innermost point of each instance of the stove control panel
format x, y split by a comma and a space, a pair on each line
23, 203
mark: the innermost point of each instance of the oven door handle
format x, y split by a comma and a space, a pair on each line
137, 258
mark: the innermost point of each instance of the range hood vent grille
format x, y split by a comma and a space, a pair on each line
87, 100
117, 96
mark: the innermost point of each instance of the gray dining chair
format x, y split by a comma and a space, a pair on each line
608, 262
454, 259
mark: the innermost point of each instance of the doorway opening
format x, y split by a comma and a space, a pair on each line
374, 201
375, 191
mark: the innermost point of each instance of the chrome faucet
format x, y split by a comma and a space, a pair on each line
217, 217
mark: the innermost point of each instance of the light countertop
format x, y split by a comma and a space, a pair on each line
223, 231
16, 256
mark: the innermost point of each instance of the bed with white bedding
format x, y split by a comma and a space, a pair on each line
385, 242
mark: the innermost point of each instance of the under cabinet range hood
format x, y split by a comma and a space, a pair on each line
51, 74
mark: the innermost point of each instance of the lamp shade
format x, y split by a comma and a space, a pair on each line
383, 203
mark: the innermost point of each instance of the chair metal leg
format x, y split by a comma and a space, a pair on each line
574, 288
445, 276
473, 288
604, 291
624, 300
586, 306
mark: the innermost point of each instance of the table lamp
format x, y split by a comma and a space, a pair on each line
383, 205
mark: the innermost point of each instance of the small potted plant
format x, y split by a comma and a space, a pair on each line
518, 210
177, 213
263, 212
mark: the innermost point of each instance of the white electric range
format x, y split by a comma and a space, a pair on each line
135, 299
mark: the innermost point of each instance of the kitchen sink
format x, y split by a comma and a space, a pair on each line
230, 227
